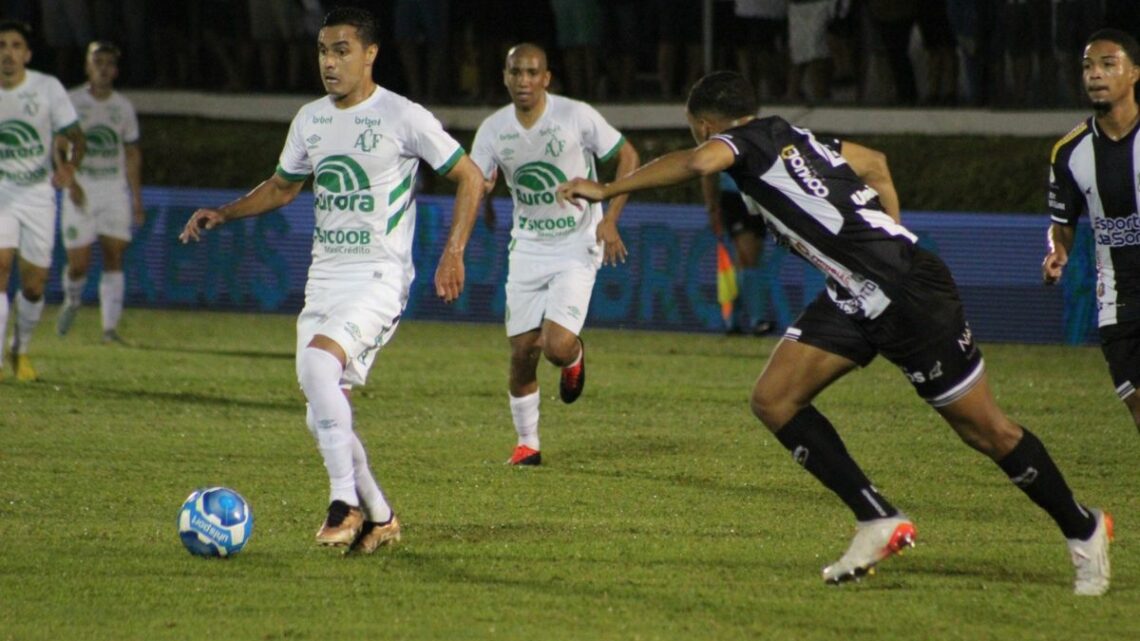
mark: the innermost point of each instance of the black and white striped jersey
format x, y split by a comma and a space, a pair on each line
1091, 173
815, 203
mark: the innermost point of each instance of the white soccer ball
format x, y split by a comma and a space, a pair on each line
215, 521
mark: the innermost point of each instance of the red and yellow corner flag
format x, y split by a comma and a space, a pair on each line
726, 290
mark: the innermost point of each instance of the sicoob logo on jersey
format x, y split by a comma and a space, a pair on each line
342, 184
102, 141
799, 168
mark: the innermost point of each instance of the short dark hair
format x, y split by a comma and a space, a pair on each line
1122, 38
367, 28
724, 93
20, 27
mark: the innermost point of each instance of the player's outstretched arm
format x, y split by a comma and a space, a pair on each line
671, 169
450, 275
607, 233
133, 155
871, 167
1060, 238
269, 195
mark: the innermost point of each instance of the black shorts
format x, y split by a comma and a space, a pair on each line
735, 217
1120, 344
923, 331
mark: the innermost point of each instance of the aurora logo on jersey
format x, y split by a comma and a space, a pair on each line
18, 139
535, 183
798, 167
102, 141
342, 185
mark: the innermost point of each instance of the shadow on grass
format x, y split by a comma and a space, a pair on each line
235, 353
192, 398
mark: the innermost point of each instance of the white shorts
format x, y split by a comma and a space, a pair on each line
807, 30
105, 214
30, 231
361, 316
555, 288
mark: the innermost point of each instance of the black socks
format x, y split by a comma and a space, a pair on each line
1031, 468
815, 445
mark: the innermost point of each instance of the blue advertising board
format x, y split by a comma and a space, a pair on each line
668, 282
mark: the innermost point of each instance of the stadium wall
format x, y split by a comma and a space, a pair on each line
668, 282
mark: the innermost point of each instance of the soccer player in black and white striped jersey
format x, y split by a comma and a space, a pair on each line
1094, 170
833, 203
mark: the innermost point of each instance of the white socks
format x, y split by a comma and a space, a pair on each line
27, 317
112, 286
364, 488
524, 411
332, 418
73, 289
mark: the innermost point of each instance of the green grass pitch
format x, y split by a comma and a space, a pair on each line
662, 511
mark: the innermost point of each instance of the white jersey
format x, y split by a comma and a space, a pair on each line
562, 144
365, 160
29, 116
108, 125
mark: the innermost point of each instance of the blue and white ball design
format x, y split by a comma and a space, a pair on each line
215, 521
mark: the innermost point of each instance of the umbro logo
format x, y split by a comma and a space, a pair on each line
313, 139
1088, 191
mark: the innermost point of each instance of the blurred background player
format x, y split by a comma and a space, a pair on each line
106, 197
1094, 171
556, 249
835, 203
364, 145
728, 214
39, 129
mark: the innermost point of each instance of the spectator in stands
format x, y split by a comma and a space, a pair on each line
678, 30
1027, 32
761, 44
1073, 19
276, 29
894, 21
67, 30
621, 18
808, 50
941, 53
578, 24
422, 38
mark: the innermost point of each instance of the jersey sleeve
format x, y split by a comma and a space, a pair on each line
295, 164
598, 136
1065, 200
424, 137
483, 151
63, 115
130, 123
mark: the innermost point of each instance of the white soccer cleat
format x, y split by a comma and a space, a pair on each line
874, 541
1090, 558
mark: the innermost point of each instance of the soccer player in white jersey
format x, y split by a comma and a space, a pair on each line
39, 130
106, 196
363, 144
538, 141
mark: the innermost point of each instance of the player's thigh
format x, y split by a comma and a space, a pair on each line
112, 215
569, 298
1120, 344
821, 346
77, 225
36, 234
360, 317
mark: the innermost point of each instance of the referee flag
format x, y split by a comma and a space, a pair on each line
726, 290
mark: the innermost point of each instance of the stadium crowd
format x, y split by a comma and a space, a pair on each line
996, 53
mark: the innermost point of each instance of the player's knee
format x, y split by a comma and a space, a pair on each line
317, 369
770, 405
561, 352
33, 291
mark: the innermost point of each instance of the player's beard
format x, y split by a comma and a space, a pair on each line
1101, 107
